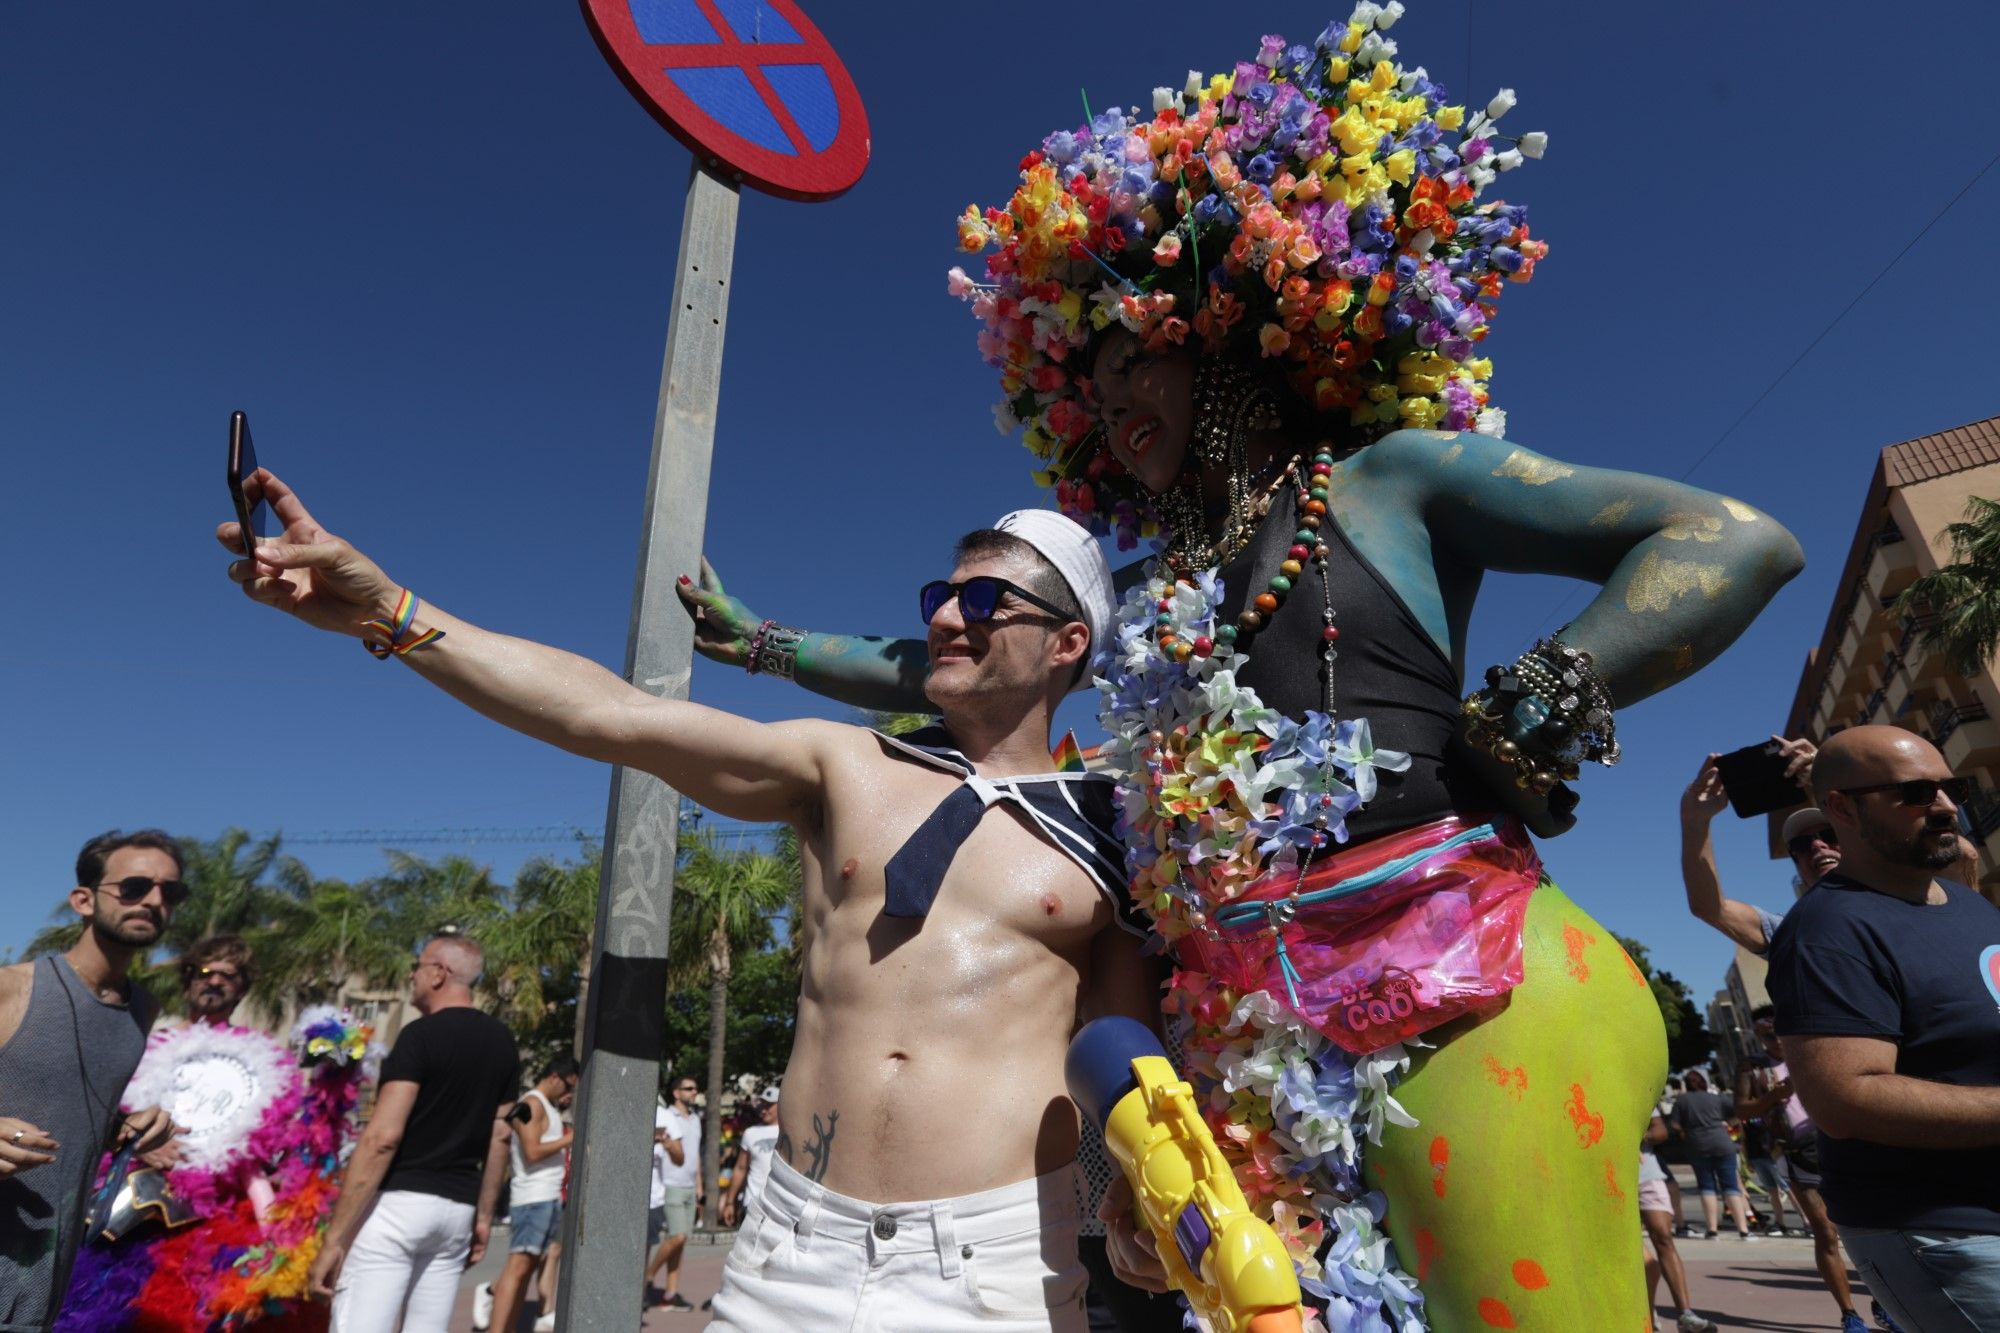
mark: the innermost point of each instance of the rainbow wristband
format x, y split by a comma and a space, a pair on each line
393, 643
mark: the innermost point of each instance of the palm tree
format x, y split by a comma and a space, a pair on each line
226, 875
1965, 594
538, 953
724, 905
324, 934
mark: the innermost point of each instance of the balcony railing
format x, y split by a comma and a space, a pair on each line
1946, 717
1982, 813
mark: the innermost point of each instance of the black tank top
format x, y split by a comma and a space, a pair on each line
1389, 669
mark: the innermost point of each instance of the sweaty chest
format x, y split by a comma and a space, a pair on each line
1003, 872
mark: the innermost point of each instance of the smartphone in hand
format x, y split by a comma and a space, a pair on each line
252, 512
1754, 778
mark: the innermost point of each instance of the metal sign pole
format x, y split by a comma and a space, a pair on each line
604, 1226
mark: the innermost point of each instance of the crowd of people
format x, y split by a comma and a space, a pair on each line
1249, 325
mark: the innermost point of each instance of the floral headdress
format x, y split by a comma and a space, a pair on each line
1312, 208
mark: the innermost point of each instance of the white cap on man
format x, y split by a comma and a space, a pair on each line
1801, 822
1067, 545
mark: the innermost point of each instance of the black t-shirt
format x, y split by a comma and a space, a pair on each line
465, 1066
1849, 961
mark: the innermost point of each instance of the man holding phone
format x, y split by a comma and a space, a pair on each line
1813, 851
925, 1160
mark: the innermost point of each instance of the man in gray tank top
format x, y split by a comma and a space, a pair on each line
72, 1028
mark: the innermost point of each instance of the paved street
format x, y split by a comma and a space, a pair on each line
1762, 1285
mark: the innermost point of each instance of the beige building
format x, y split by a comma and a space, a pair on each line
1729, 1013
1869, 665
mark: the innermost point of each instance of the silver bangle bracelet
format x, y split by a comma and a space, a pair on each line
778, 653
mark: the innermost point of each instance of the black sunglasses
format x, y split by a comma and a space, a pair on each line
1803, 844
978, 598
1919, 791
134, 888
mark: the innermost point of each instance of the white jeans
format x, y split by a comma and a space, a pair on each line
808, 1260
402, 1269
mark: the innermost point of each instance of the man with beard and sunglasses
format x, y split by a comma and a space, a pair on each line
964, 909
72, 1029
1887, 987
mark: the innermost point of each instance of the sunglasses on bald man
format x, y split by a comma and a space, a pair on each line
1919, 791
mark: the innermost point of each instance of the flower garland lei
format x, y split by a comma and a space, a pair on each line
1318, 207
1217, 790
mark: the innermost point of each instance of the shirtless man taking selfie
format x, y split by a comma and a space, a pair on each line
923, 1177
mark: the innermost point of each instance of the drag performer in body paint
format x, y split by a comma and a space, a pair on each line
1248, 325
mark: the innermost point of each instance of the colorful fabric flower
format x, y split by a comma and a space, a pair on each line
1239, 216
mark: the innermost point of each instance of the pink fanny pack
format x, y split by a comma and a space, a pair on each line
1384, 941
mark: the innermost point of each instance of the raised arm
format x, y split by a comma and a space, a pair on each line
739, 768
862, 670
1682, 571
1700, 804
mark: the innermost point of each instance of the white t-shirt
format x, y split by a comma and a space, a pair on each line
666, 1173
760, 1141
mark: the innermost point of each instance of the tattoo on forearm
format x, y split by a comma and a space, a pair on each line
819, 1149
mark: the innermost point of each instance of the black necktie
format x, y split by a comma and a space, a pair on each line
1074, 812
914, 874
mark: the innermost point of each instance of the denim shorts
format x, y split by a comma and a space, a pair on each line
1934, 1280
531, 1227
1715, 1174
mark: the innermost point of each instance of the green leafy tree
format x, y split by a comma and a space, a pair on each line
725, 904
1689, 1042
1964, 595
538, 951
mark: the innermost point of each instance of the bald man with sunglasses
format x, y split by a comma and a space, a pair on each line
1886, 980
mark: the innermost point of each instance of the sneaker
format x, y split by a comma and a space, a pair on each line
482, 1307
653, 1297
675, 1301
1851, 1323
1883, 1319
1690, 1322
1749, 1235
547, 1323
1708, 1235
707, 1302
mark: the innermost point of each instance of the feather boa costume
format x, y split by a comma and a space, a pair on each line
263, 1114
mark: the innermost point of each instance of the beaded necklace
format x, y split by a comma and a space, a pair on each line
1308, 543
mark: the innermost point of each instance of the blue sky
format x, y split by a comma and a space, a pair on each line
430, 250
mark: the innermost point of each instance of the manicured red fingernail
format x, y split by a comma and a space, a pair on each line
685, 579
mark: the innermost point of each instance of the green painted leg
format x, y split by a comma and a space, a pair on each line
1514, 1200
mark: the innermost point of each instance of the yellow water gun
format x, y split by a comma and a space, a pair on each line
1225, 1259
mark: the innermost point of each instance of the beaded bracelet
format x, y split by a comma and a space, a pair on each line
750, 659
1559, 707
392, 642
